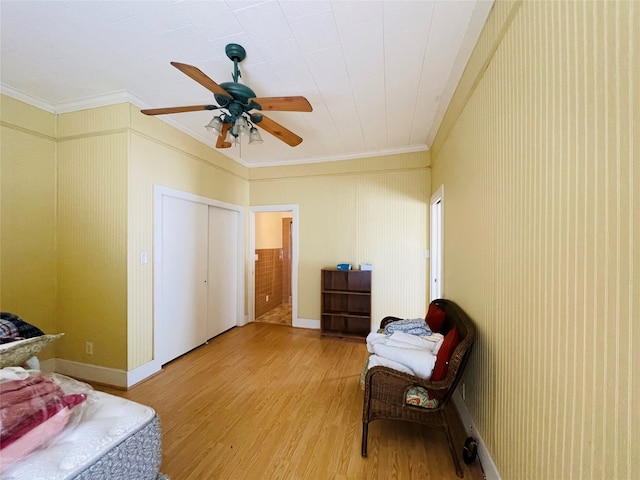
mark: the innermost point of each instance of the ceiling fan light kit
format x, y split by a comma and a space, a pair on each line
215, 125
236, 103
254, 136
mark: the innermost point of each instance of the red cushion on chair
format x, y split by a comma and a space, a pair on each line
449, 344
435, 318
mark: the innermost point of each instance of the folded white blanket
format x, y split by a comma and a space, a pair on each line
420, 360
377, 360
374, 337
431, 342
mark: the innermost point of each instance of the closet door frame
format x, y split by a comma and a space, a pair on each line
159, 192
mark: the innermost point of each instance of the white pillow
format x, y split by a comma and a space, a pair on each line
14, 354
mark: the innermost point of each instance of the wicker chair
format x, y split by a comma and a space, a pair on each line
386, 389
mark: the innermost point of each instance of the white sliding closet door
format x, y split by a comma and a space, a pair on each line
223, 271
183, 315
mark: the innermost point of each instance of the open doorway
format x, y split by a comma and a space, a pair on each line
273, 267
273, 231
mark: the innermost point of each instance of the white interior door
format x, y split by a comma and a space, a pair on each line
437, 243
222, 311
182, 325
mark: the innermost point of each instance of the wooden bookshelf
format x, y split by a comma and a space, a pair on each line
346, 303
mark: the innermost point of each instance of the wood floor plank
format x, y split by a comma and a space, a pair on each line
269, 401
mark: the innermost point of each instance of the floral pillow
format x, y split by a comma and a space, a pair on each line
420, 397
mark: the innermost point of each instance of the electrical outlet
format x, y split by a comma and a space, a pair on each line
88, 348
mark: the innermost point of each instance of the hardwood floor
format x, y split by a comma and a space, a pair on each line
267, 401
280, 315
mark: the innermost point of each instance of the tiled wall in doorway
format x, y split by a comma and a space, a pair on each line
268, 279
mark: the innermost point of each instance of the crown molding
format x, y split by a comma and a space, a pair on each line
124, 96
23, 97
121, 96
351, 156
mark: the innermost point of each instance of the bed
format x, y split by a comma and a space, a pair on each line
116, 439
55, 428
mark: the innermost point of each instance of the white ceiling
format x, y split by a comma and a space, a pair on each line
379, 74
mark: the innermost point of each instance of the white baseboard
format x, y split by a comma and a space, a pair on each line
488, 465
306, 323
93, 373
142, 372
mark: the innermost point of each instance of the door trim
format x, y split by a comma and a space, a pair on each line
295, 235
160, 191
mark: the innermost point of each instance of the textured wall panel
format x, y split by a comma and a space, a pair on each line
28, 216
92, 248
379, 217
542, 219
268, 280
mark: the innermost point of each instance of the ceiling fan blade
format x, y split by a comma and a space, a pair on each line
277, 130
284, 104
200, 77
190, 108
221, 142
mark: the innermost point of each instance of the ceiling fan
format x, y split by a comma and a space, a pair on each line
237, 104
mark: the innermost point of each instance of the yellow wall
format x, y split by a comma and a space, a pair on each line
539, 158
110, 158
93, 189
92, 242
77, 211
28, 214
370, 210
268, 230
